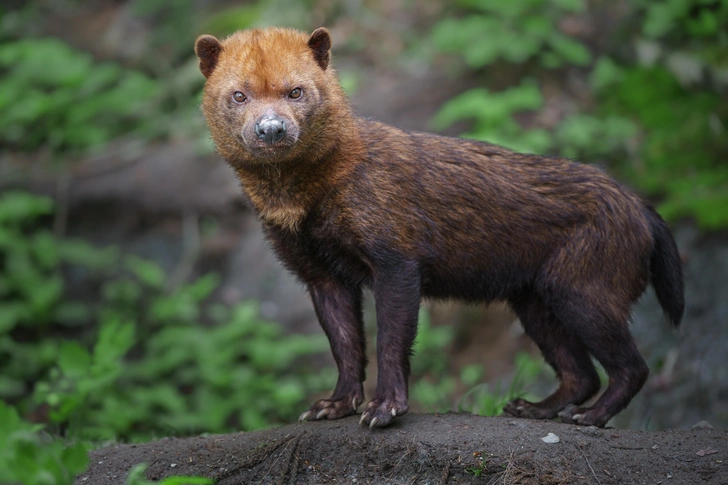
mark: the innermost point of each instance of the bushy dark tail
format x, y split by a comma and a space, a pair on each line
666, 269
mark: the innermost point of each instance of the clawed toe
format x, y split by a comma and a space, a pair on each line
581, 416
381, 412
331, 409
520, 408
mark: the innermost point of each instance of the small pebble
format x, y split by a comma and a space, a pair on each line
172, 465
550, 438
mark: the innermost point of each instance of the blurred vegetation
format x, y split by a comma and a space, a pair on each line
136, 477
136, 363
32, 458
438, 389
85, 105
140, 359
657, 113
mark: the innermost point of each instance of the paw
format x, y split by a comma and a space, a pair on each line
520, 408
582, 416
381, 412
332, 408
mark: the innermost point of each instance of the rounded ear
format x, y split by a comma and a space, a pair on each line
208, 49
320, 43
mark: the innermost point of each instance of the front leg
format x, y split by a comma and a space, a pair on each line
339, 311
397, 298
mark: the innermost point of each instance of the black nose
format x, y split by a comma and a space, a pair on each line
270, 129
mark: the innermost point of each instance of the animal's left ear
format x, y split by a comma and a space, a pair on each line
320, 44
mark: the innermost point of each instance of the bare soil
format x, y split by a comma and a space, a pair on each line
428, 449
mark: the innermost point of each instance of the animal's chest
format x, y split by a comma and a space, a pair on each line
316, 251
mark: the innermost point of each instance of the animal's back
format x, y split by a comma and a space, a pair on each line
483, 221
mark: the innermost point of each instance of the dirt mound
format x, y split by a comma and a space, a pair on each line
429, 449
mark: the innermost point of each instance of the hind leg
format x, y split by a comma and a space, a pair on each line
565, 353
606, 335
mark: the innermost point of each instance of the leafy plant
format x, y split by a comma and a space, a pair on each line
136, 477
32, 285
493, 116
485, 400
30, 457
235, 372
83, 105
435, 389
658, 116
480, 468
141, 361
514, 31
683, 142
674, 94
429, 346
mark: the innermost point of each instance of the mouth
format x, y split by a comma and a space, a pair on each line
261, 149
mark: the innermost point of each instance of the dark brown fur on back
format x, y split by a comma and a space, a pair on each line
350, 204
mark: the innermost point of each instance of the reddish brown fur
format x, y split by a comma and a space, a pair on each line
350, 203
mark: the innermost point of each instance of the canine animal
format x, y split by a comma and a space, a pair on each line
348, 204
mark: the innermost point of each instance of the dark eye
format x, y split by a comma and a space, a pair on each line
239, 97
295, 94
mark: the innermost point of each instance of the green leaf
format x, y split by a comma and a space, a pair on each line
175, 308
72, 313
75, 458
537, 27
10, 240
46, 294
115, 340
82, 253
606, 73
471, 374
9, 422
16, 206
149, 272
11, 388
45, 248
571, 50
178, 480
122, 291
11, 314
203, 286
660, 19
73, 359
136, 475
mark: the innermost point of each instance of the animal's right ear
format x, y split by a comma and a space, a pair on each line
208, 49
320, 44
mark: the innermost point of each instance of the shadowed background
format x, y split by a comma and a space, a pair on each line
137, 295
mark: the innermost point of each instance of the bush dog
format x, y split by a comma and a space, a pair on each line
349, 203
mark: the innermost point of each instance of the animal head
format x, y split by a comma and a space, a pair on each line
270, 93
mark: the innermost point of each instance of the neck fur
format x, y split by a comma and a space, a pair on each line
283, 193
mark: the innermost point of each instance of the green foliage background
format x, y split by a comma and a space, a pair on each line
144, 359
658, 115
